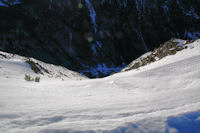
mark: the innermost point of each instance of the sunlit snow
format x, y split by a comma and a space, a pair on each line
162, 97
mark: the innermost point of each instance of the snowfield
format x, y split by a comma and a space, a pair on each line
162, 97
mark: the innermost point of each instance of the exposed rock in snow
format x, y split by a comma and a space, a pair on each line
19, 66
170, 47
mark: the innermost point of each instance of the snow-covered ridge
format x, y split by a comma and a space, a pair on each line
169, 48
15, 66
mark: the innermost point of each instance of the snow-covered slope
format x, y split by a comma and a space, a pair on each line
162, 97
16, 67
169, 48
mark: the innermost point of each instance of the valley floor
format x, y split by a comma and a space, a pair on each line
162, 97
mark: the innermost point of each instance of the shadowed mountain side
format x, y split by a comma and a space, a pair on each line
95, 38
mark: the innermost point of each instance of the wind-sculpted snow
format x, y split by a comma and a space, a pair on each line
162, 97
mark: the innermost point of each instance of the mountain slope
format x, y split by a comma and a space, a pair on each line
170, 47
16, 67
94, 37
163, 97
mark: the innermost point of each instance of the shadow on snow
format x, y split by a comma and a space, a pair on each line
185, 123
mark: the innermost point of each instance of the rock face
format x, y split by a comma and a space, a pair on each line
94, 37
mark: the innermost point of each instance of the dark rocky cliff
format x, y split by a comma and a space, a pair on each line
94, 37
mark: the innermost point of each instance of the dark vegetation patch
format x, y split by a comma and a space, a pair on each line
29, 78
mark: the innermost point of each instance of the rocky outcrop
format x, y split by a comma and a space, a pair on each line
170, 47
93, 37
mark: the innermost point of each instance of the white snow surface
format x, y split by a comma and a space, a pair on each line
162, 97
15, 67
